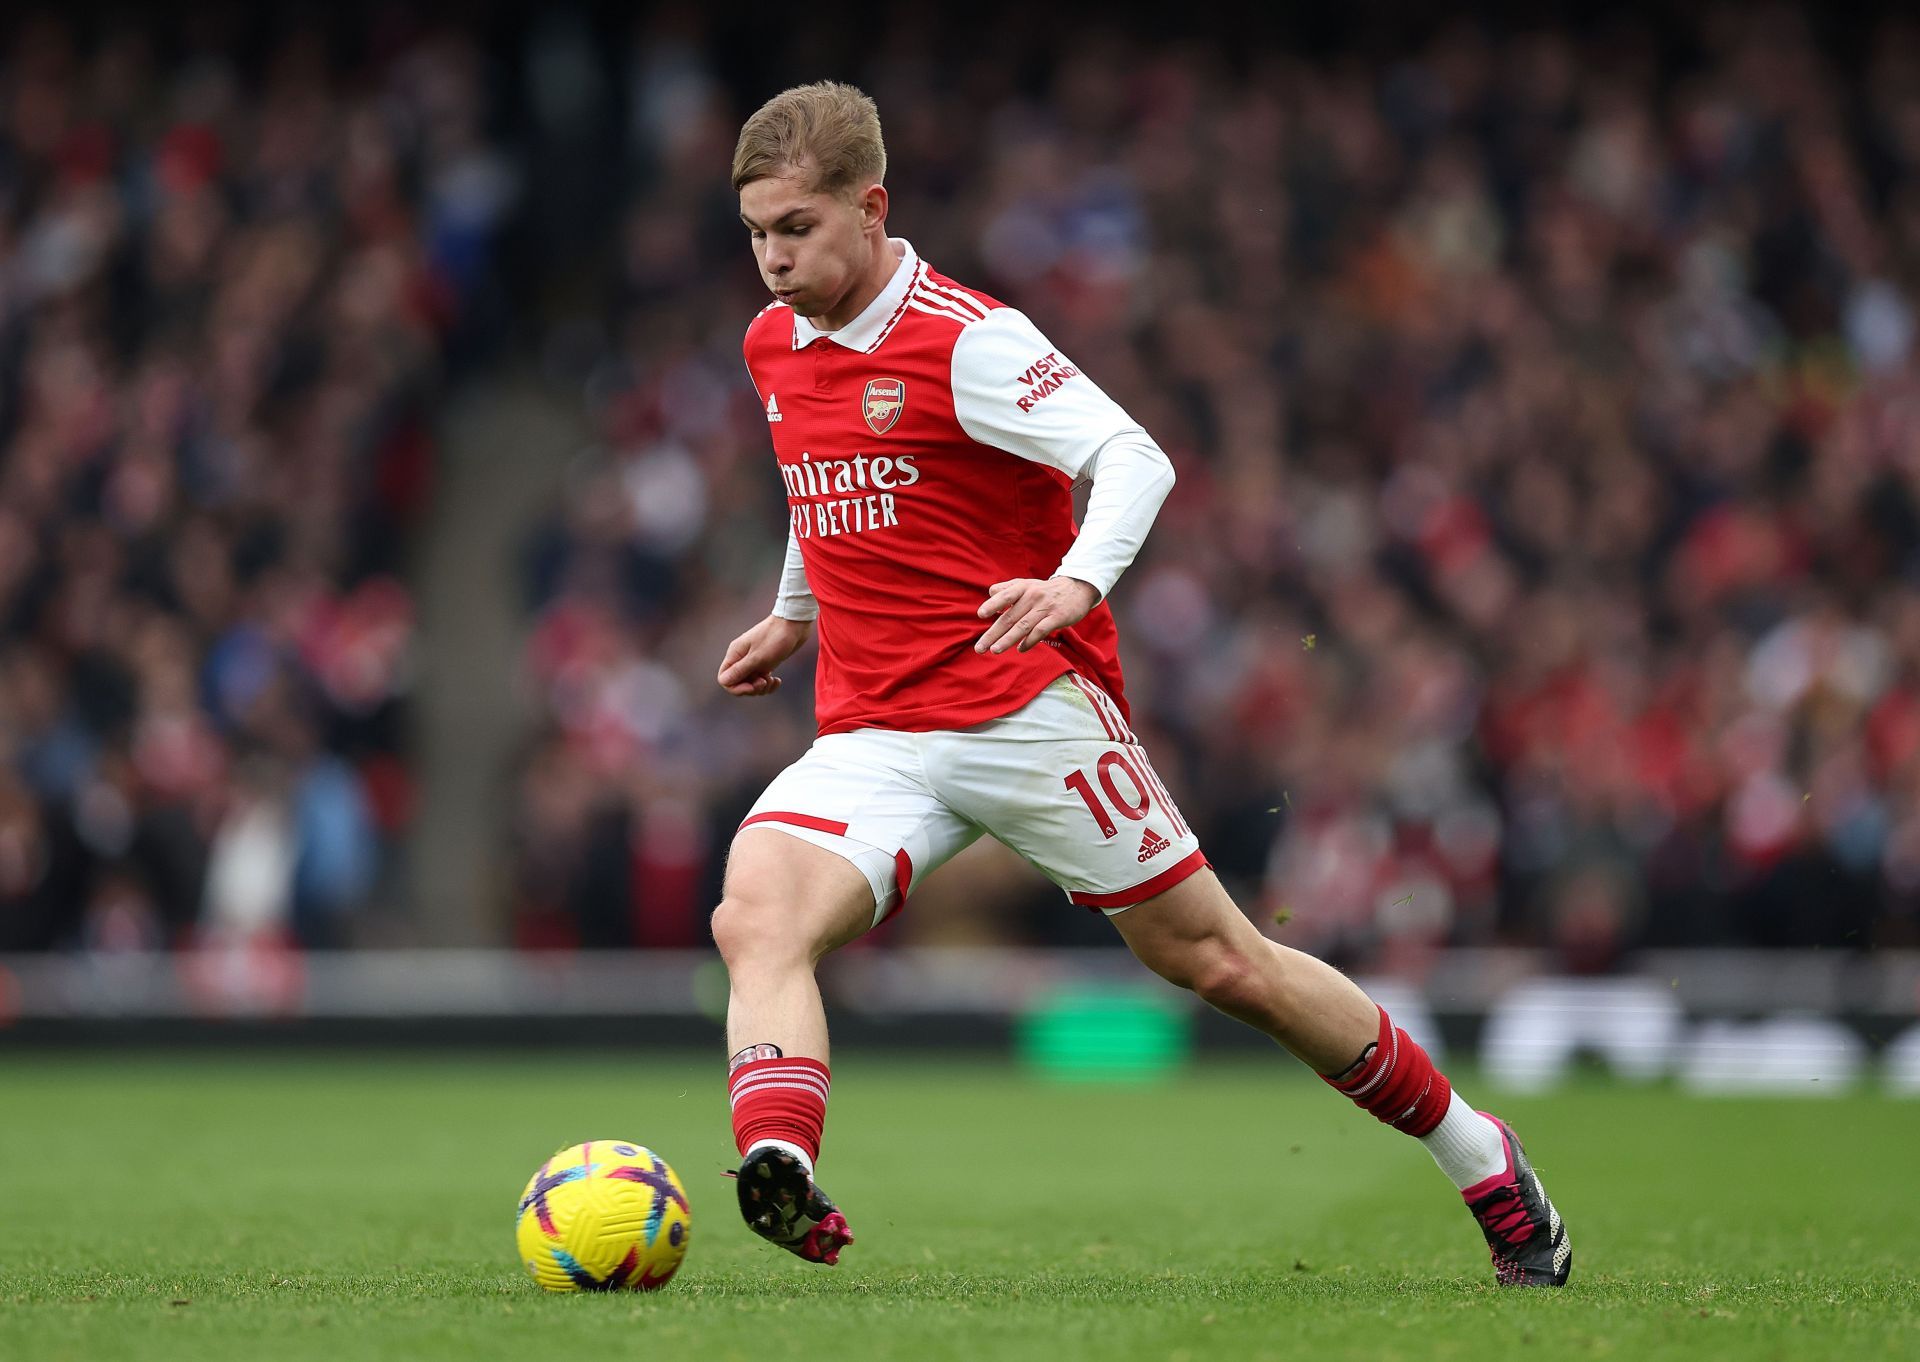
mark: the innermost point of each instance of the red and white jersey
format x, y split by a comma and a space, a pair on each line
929, 450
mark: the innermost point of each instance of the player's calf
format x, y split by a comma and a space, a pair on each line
1195, 936
785, 905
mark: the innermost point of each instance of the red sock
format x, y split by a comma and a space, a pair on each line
1396, 1081
779, 1099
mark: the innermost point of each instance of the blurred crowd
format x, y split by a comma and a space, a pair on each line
232, 272
1544, 566
1546, 408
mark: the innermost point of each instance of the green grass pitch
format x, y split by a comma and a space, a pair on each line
360, 1207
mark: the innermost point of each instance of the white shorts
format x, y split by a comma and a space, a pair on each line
1061, 780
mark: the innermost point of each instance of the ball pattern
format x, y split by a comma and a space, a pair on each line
606, 1215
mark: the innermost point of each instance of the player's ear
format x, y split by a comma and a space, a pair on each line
873, 207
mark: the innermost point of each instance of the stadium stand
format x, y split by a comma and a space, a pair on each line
231, 278
1542, 567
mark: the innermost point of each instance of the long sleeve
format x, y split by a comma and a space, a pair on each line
794, 600
1131, 479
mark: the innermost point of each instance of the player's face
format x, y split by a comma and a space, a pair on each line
811, 246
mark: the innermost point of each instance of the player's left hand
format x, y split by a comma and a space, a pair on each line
1025, 610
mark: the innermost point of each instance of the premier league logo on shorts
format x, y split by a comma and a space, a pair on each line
882, 403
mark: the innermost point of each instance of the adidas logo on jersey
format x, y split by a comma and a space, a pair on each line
1151, 845
773, 408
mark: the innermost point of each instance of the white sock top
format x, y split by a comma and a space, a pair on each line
1466, 1145
793, 1149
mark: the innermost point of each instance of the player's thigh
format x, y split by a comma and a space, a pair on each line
784, 892
862, 799
1190, 930
1065, 783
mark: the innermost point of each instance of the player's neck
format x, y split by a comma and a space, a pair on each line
881, 263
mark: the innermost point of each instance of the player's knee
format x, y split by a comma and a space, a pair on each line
1227, 978
746, 929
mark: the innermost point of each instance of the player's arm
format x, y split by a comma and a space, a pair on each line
1014, 391
748, 668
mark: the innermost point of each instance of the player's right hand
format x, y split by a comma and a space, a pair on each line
747, 669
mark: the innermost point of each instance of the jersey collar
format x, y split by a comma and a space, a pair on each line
865, 331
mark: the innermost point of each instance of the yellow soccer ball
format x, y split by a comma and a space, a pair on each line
603, 1216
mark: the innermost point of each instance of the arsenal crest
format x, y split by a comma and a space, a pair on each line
882, 403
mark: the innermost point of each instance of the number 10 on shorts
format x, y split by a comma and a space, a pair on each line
1134, 808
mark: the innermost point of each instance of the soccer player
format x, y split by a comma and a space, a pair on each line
968, 681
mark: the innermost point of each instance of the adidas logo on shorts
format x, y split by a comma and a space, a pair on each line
1152, 845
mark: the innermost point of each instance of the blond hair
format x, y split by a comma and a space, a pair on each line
830, 129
